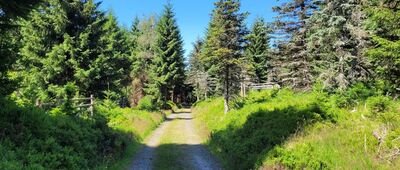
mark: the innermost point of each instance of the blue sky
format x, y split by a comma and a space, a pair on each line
192, 15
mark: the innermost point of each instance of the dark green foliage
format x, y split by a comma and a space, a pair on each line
379, 104
169, 69
384, 21
71, 42
257, 50
10, 11
222, 53
112, 67
352, 96
291, 30
33, 139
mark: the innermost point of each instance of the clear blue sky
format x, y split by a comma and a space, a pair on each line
192, 15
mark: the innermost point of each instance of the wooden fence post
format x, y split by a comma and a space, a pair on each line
37, 103
91, 105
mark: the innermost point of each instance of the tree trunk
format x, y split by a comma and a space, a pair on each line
226, 92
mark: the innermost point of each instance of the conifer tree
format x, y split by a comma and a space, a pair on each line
336, 43
10, 11
197, 75
112, 66
143, 35
60, 44
291, 27
169, 65
257, 50
223, 48
384, 21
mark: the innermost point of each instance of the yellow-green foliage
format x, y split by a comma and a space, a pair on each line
137, 123
299, 131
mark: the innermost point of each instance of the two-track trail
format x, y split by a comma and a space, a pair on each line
175, 145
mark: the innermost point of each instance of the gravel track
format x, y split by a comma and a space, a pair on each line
194, 154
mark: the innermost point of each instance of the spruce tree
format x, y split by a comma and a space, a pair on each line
257, 50
169, 66
384, 21
60, 44
336, 43
10, 12
143, 35
112, 66
291, 28
223, 47
197, 75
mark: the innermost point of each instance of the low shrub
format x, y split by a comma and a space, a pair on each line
379, 104
31, 138
147, 103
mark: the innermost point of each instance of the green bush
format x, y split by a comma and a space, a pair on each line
379, 104
352, 96
31, 138
147, 103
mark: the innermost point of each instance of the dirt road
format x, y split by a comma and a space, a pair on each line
175, 145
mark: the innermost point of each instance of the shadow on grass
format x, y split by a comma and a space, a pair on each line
32, 138
243, 147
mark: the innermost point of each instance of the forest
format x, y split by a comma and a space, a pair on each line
80, 91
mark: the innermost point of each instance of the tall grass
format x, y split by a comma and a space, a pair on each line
271, 129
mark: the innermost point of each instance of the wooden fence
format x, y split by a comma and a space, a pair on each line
89, 103
257, 86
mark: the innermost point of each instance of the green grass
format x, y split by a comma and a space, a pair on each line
169, 153
137, 123
271, 129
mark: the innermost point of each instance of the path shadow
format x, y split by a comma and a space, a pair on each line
176, 157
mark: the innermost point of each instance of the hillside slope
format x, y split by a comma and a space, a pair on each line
274, 130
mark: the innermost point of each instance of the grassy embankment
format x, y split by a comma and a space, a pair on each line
31, 138
271, 129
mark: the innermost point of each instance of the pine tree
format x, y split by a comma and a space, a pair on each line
223, 48
257, 50
384, 21
291, 25
336, 43
169, 66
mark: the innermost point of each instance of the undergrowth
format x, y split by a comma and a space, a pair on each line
31, 138
285, 130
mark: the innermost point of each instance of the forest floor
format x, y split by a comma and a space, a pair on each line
175, 145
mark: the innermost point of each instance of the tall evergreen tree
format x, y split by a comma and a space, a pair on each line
197, 75
112, 66
257, 50
336, 43
291, 25
10, 11
143, 53
60, 44
169, 62
384, 21
223, 48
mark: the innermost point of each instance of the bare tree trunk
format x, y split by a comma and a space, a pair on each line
226, 92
